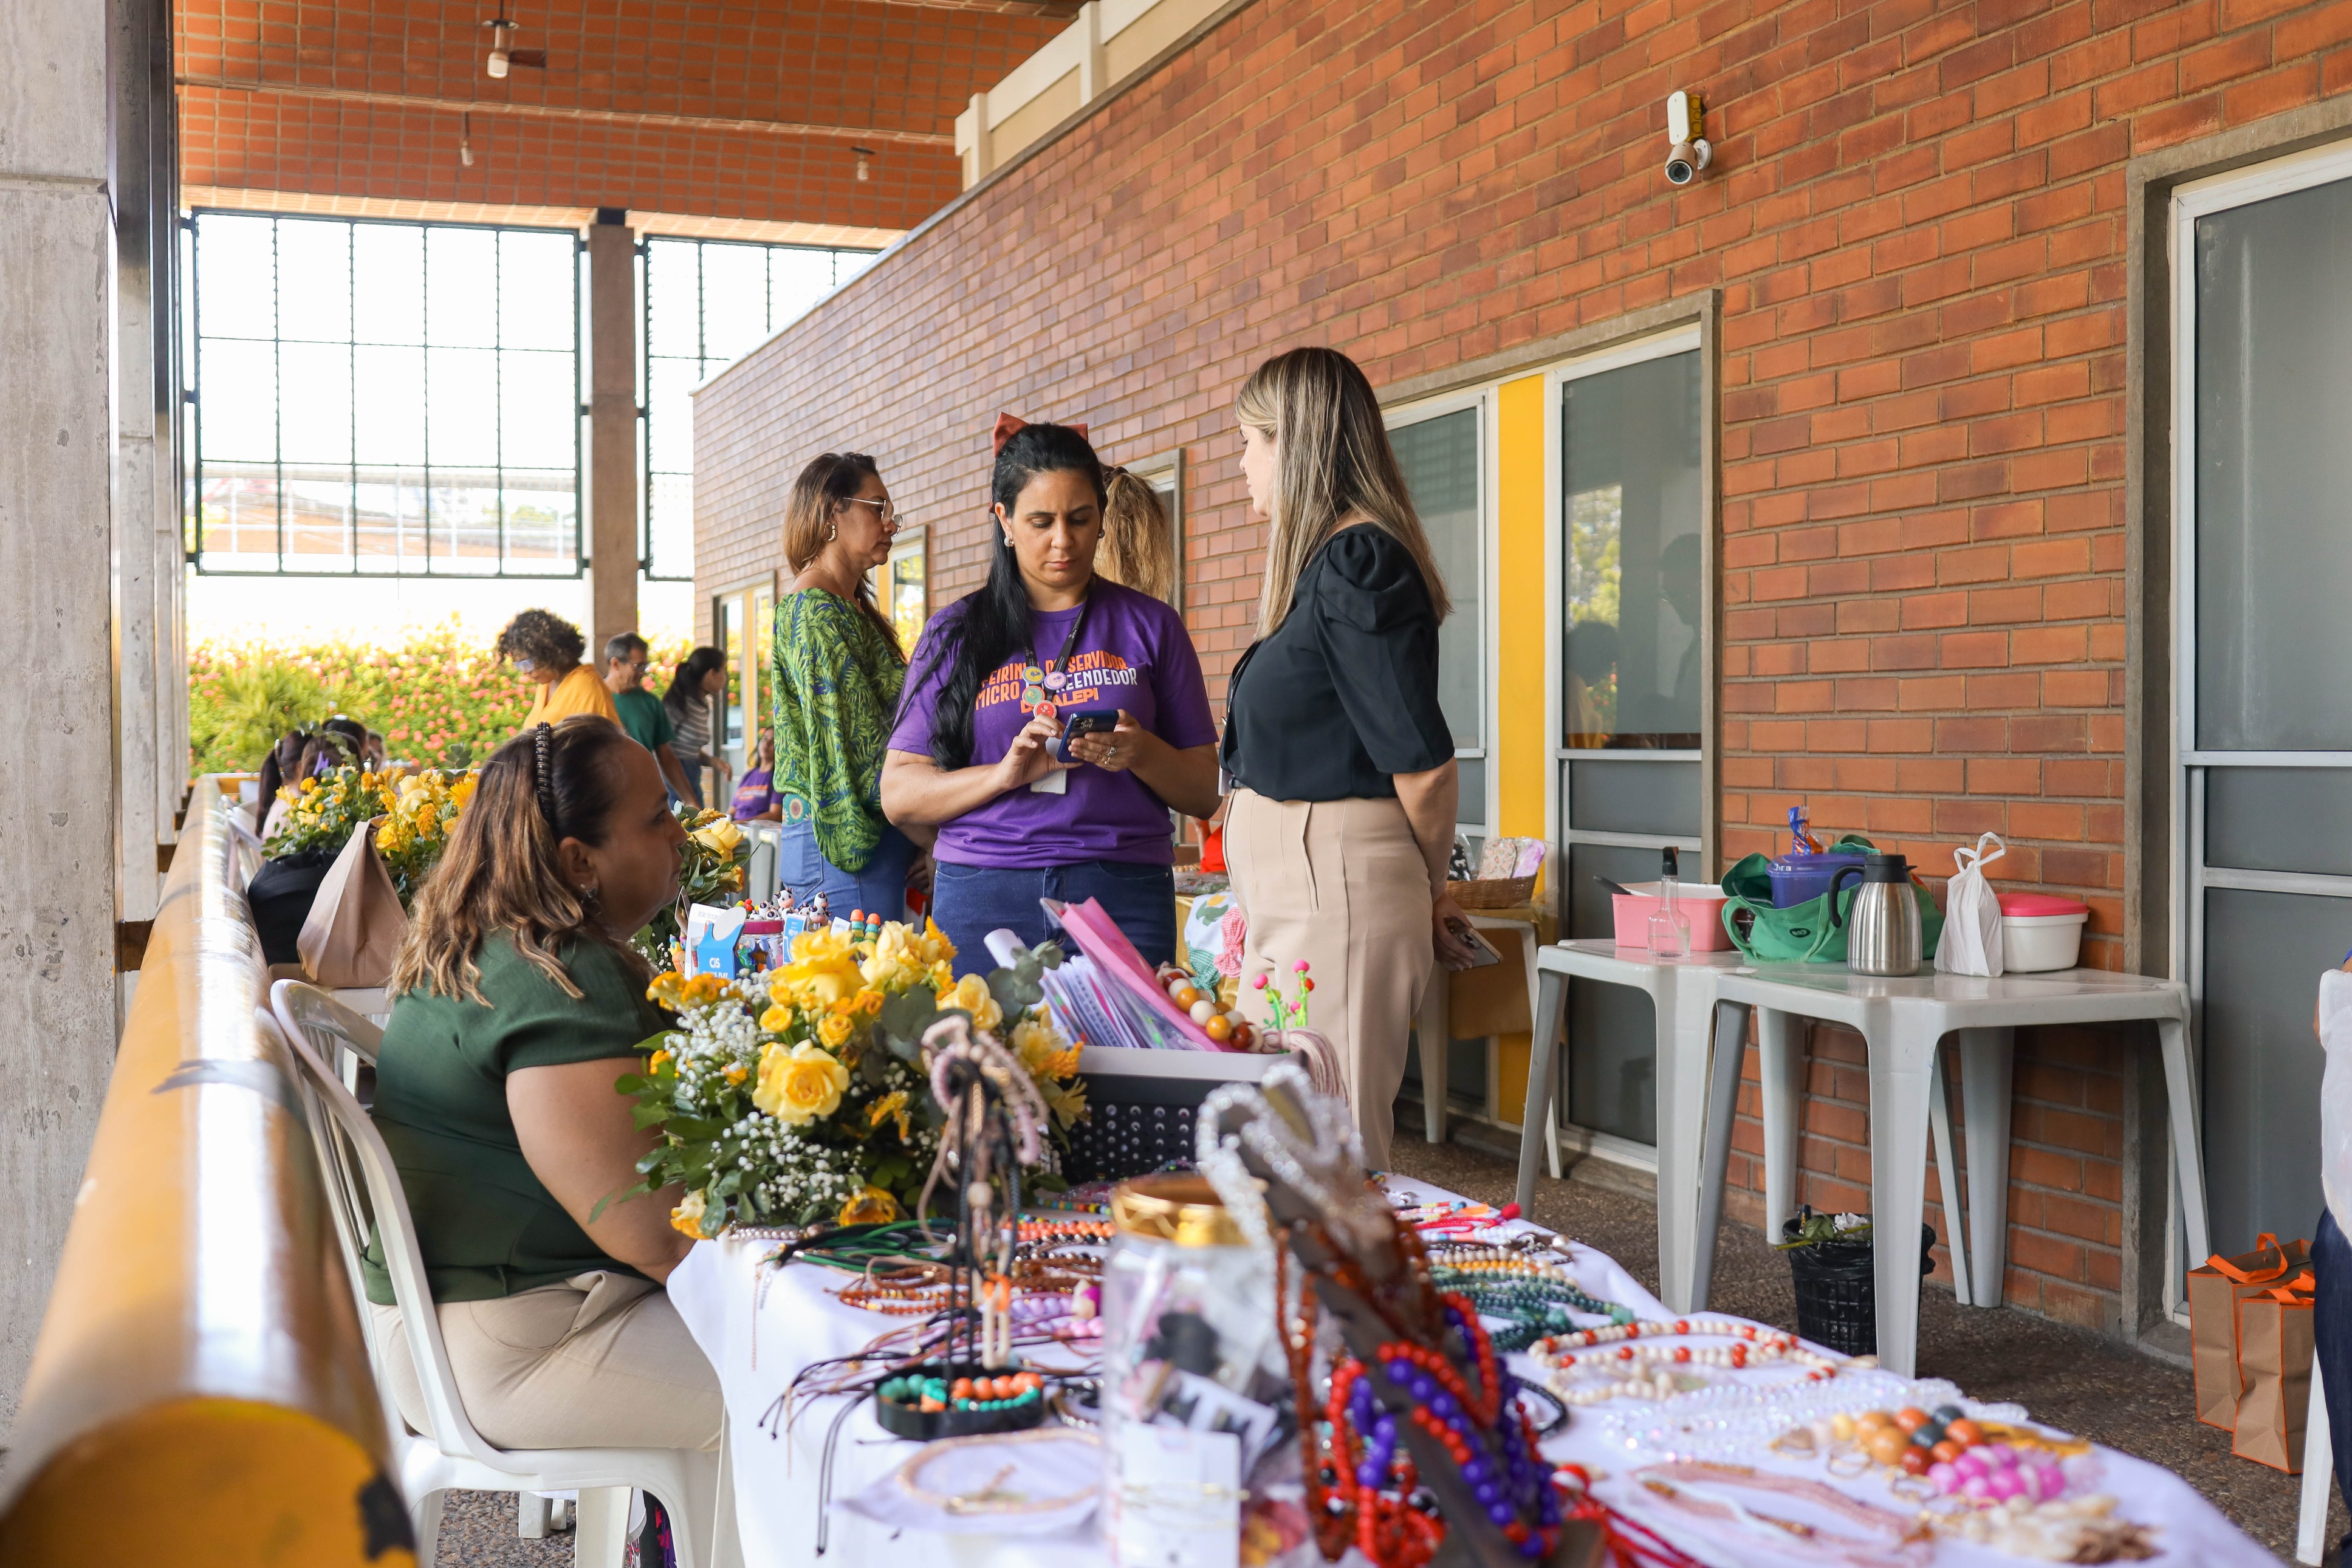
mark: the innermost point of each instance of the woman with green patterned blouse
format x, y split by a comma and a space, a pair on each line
838, 668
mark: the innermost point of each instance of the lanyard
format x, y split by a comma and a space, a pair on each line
1032, 679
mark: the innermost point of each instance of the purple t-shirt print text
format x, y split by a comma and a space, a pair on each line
1134, 655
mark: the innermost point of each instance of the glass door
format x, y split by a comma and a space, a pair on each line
2262, 503
728, 614
1441, 448
1629, 672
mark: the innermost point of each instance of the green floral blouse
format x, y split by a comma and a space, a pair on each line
837, 673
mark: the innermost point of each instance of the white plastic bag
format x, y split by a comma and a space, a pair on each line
1971, 941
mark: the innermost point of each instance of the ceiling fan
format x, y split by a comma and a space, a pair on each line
503, 53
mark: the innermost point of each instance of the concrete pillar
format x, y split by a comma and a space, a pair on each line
151, 685
58, 821
612, 533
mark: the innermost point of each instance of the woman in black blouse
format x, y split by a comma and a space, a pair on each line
1342, 772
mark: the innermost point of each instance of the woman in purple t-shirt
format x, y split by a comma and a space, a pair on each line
977, 750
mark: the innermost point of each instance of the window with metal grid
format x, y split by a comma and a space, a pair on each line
385, 398
708, 303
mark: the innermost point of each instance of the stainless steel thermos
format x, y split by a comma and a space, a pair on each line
1882, 926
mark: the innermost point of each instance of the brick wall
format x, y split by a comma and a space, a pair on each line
838, 62
1916, 223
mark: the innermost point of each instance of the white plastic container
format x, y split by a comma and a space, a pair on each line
2041, 932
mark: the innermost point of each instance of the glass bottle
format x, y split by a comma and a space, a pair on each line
1669, 927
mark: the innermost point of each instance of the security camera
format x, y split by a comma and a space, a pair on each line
1689, 153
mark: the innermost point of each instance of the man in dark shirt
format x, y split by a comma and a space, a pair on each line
642, 714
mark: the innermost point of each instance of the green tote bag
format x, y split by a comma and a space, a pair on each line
1803, 933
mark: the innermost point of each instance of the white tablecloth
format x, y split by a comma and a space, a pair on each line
761, 1326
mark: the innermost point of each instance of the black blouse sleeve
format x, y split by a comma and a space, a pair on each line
1379, 632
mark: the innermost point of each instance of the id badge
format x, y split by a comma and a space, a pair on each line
1055, 783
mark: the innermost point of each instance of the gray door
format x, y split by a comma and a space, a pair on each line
2263, 490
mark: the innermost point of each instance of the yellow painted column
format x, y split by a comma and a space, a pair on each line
1522, 751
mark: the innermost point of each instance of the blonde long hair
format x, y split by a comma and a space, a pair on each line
499, 872
1135, 551
1334, 462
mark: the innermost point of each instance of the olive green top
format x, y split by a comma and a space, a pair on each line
487, 1226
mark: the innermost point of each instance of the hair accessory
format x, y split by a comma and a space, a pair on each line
1009, 425
542, 786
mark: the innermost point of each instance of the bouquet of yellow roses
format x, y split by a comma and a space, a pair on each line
418, 811
801, 1094
711, 871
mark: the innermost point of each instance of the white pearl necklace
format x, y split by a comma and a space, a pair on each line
1752, 1345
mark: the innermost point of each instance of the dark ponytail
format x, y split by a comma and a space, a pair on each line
993, 623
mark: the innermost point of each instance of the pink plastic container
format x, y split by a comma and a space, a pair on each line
1700, 902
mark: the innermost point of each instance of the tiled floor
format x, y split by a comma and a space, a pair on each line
2066, 1376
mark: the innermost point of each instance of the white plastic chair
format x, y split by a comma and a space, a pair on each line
363, 1190
345, 1039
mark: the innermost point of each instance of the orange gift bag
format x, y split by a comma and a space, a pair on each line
2275, 1349
2216, 1292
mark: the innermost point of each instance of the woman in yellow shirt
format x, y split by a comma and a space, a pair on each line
545, 648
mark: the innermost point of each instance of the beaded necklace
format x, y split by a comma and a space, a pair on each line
1565, 1355
1532, 1302
1476, 1420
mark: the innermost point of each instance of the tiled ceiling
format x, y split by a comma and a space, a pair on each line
741, 110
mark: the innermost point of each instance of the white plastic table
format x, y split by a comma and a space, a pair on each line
1902, 1022
1683, 996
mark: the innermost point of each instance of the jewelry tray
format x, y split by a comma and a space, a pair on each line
905, 1421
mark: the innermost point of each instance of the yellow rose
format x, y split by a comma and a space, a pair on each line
738, 1072
872, 1206
777, 1019
688, 1215
800, 1085
719, 838
970, 994
834, 1030
823, 970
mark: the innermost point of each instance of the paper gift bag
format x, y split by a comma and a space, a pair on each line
2274, 1359
2215, 1293
356, 923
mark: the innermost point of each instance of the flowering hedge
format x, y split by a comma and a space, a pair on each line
442, 697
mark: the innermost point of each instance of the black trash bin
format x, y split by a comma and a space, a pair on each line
1837, 1295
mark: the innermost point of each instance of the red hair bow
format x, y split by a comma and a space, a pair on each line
1009, 425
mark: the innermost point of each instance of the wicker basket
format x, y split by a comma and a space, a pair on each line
1498, 893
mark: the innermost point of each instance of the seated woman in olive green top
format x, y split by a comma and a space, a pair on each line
518, 1003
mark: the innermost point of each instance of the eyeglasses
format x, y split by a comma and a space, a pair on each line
889, 511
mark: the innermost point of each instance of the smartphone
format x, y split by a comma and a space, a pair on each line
1482, 952
1078, 724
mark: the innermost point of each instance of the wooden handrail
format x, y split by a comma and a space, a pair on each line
200, 1392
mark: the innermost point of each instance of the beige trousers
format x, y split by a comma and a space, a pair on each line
601, 1361
1341, 884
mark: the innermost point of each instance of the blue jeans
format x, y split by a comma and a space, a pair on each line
2331, 1335
971, 901
880, 889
